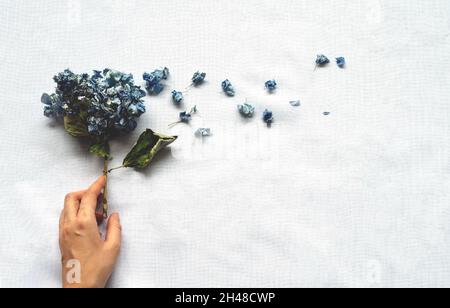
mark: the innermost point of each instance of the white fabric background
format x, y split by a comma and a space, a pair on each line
356, 199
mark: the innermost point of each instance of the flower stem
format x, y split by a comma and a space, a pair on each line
173, 124
105, 190
113, 169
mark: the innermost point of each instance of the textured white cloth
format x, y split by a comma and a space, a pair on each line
359, 198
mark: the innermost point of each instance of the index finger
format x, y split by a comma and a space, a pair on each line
89, 202
72, 205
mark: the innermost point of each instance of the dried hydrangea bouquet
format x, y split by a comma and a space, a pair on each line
98, 107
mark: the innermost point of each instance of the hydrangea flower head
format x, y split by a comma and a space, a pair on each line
198, 78
228, 88
102, 103
271, 85
153, 80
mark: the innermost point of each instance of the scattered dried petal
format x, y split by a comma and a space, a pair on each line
177, 97
268, 117
198, 78
203, 132
228, 88
271, 85
322, 60
185, 117
340, 62
246, 110
295, 103
153, 80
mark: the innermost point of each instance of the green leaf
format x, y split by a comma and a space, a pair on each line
101, 149
75, 126
148, 145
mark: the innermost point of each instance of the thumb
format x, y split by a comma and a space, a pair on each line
114, 233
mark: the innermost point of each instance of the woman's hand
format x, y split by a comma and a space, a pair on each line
87, 260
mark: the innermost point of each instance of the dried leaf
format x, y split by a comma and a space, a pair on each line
75, 126
101, 149
147, 147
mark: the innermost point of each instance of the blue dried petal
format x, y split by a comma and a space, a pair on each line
49, 112
127, 125
97, 75
177, 97
46, 99
141, 108
322, 60
228, 88
268, 117
157, 75
148, 77
136, 94
340, 62
53, 105
132, 109
185, 117
67, 83
136, 109
156, 89
326, 113
126, 78
154, 79
271, 85
198, 78
97, 126
122, 122
112, 77
166, 73
203, 132
246, 110
162, 74
295, 103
